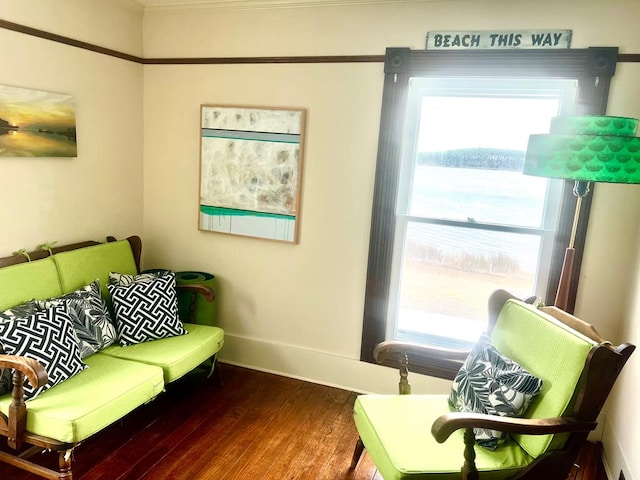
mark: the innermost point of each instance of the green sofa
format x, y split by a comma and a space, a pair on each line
118, 379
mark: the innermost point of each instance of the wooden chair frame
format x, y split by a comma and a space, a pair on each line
602, 367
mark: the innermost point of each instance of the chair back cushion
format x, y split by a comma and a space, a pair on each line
26, 281
552, 352
80, 267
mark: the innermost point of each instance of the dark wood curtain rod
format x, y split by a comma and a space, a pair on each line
622, 57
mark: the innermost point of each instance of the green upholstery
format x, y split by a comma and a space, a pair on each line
25, 281
109, 389
119, 379
175, 355
550, 351
80, 267
396, 430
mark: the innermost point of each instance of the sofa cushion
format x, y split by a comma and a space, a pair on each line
48, 337
85, 404
549, 350
490, 383
176, 355
25, 281
146, 310
82, 266
90, 317
396, 430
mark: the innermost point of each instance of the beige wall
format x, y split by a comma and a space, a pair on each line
291, 309
298, 309
98, 193
616, 278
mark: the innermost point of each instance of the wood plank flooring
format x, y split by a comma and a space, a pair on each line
257, 426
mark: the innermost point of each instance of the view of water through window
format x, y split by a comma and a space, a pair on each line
471, 221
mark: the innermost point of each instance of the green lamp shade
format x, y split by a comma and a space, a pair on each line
590, 149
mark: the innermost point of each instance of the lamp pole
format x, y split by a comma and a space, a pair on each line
580, 190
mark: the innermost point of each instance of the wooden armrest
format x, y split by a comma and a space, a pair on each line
394, 347
204, 290
14, 425
446, 424
32, 369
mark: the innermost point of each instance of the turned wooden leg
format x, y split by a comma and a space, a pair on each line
215, 370
17, 412
64, 462
357, 453
469, 470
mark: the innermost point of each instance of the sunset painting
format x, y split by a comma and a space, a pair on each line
34, 123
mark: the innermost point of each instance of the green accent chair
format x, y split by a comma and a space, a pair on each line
422, 437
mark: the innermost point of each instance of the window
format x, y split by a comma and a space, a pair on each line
468, 221
431, 153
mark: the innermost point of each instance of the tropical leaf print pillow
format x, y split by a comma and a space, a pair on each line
488, 382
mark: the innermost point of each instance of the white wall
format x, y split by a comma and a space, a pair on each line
298, 309
290, 309
99, 193
615, 279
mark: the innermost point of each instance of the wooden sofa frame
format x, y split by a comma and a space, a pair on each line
13, 426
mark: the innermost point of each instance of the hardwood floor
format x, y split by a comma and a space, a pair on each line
257, 426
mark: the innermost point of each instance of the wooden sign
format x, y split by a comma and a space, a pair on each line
499, 39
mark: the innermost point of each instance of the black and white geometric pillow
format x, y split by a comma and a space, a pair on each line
146, 310
89, 315
19, 311
488, 382
48, 337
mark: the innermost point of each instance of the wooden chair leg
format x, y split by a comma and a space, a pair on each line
215, 370
64, 462
469, 470
357, 453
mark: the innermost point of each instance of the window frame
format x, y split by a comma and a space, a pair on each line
593, 67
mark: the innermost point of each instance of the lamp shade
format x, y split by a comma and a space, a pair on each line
588, 149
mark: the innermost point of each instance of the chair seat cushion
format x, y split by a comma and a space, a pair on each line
175, 355
396, 431
91, 400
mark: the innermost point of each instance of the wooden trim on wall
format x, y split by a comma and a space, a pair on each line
186, 60
253, 60
67, 41
16, 27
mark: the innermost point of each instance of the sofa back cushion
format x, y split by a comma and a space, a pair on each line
549, 350
26, 281
80, 267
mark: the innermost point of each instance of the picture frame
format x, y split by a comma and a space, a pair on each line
36, 123
251, 171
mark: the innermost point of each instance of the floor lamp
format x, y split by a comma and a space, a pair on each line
584, 149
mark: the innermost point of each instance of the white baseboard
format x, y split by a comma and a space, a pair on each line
321, 367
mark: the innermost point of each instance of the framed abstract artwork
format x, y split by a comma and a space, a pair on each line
35, 123
251, 171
